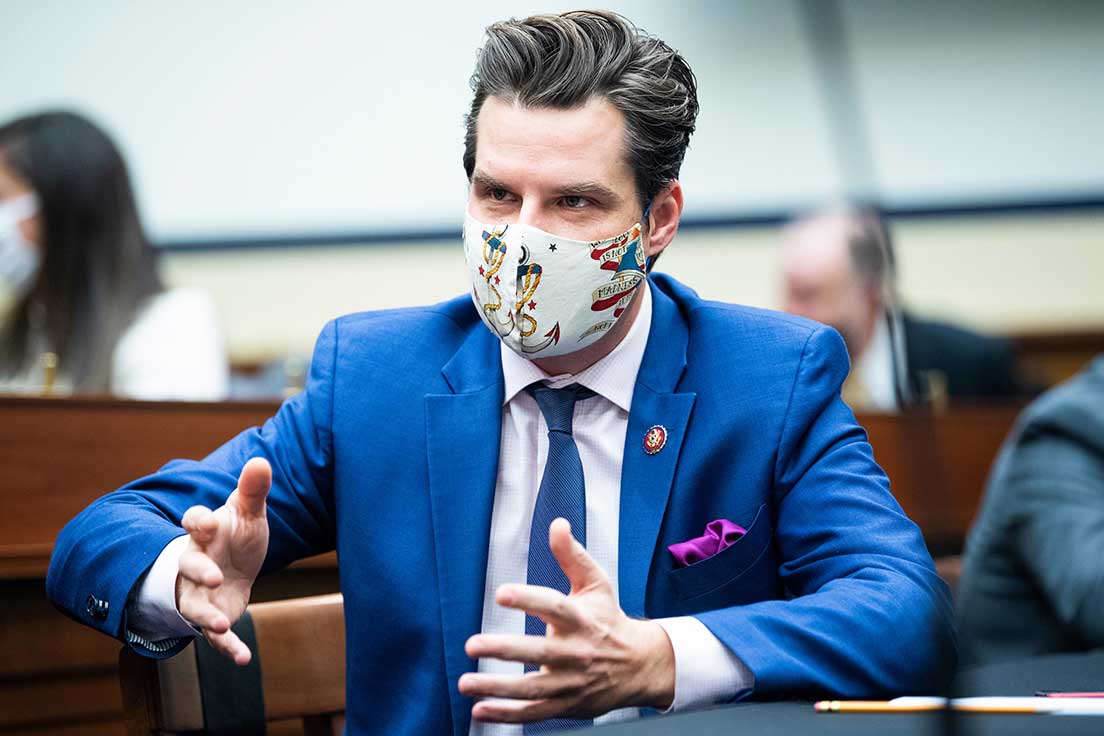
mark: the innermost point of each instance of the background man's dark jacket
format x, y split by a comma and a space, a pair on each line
974, 366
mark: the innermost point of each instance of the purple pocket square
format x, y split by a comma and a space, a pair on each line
720, 534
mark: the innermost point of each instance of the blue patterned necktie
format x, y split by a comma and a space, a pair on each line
562, 493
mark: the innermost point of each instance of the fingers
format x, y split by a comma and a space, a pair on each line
531, 686
200, 569
518, 711
581, 569
535, 650
199, 612
228, 644
253, 485
201, 524
550, 606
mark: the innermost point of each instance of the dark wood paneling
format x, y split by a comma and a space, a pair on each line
59, 454
86, 727
1052, 357
60, 699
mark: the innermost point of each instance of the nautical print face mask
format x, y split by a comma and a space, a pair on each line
545, 295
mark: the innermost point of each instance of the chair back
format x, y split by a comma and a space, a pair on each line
294, 684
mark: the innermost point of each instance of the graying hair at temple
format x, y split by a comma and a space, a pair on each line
562, 61
871, 247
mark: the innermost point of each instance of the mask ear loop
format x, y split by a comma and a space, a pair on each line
644, 218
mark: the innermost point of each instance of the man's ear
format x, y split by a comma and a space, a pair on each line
663, 219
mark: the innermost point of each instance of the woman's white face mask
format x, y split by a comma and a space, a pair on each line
19, 258
544, 295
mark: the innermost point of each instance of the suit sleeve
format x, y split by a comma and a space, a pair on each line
1058, 525
867, 614
102, 553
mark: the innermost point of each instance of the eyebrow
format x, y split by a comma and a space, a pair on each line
568, 190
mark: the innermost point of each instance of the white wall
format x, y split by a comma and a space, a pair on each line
284, 117
983, 98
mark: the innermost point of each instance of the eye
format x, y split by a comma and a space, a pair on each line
499, 195
574, 202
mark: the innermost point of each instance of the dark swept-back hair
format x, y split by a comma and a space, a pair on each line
97, 265
562, 61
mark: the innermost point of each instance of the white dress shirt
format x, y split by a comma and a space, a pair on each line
875, 366
705, 670
173, 350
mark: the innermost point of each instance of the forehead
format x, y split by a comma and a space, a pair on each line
549, 146
817, 248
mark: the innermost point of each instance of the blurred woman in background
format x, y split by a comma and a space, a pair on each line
83, 291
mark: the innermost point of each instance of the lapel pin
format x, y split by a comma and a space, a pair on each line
655, 439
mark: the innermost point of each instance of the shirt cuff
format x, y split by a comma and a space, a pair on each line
152, 614
706, 671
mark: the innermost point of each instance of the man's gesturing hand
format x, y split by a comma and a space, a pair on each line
224, 555
592, 659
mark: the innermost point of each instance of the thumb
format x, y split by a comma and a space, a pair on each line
581, 569
253, 485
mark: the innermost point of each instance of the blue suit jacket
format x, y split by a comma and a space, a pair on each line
391, 455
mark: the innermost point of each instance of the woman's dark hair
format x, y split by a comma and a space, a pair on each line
97, 265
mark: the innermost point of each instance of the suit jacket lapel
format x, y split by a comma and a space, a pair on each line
462, 438
646, 478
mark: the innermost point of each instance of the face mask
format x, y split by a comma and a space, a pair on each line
19, 259
544, 295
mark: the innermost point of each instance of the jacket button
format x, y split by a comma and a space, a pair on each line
96, 608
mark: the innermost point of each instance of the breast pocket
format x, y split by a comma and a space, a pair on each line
715, 574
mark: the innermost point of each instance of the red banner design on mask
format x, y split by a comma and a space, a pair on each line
608, 295
612, 255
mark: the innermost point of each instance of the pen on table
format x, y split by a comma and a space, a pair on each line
898, 705
990, 704
1067, 694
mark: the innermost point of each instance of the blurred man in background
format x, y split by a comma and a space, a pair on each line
838, 267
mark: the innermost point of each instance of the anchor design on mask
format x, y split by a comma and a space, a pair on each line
528, 279
494, 253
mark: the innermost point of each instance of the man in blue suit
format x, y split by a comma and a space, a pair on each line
573, 493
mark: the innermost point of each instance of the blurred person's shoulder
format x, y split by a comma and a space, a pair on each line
177, 306
182, 316
173, 350
951, 339
1073, 408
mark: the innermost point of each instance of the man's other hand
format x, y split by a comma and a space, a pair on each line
593, 658
224, 555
